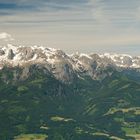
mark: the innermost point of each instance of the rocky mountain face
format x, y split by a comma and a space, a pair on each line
62, 66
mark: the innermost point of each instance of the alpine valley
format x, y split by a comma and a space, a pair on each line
46, 94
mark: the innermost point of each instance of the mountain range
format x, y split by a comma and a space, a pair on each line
46, 94
63, 66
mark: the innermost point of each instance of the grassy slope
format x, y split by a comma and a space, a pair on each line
86, 109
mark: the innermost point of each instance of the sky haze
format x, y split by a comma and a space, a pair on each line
72, 25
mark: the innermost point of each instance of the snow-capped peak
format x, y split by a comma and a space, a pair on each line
20, 55
63, 66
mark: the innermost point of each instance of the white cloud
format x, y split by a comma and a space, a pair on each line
6, 37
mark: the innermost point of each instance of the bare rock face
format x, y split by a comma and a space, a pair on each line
10, 54
63, 71
26, 53
25, 73
2, 52
127, 61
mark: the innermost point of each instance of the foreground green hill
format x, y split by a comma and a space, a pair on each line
43, 108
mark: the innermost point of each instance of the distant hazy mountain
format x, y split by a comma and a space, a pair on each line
48, 94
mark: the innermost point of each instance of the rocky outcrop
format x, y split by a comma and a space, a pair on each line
10, 54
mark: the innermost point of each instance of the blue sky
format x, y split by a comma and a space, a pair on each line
73, 25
